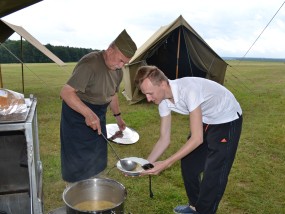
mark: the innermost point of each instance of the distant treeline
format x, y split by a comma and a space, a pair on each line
254, 59
11, 50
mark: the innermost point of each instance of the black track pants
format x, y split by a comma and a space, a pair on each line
205, 170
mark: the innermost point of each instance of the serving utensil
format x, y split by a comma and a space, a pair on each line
127, 165
150, 189
146, 167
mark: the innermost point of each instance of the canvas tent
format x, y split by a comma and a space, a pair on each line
179, 51
8, 29
7, 6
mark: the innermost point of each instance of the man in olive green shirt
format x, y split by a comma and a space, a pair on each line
92, 87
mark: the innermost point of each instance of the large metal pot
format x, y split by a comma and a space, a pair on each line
97, 189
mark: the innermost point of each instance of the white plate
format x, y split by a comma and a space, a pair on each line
136, 171
130, 136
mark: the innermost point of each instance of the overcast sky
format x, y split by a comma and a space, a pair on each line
229, 27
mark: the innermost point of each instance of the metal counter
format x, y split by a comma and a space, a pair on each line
21, 187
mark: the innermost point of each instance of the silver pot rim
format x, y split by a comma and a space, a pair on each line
93, 180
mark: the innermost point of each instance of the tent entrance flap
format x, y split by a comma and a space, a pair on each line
166, 58
179, 52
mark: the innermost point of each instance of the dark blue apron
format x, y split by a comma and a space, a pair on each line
83, 151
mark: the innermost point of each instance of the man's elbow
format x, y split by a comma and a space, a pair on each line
65, 91
198, 140
62, 93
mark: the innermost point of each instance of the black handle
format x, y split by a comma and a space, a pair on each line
150, 189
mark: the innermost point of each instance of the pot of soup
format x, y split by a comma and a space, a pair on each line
97, 195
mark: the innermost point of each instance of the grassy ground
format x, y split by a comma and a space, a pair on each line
256, 183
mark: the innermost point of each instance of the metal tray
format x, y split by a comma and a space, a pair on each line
18, 117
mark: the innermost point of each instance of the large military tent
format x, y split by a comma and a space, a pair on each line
179, 51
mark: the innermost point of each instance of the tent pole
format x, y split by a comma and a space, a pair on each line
178, 52
1, 82
22, 64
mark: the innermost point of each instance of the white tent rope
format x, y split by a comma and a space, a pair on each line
238, 78
263, 30
45, 84
20, 61
10, 52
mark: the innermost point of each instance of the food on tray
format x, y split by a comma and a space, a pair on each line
138, 168
118, 134
11, 102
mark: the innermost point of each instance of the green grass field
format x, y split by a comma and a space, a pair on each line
256, 183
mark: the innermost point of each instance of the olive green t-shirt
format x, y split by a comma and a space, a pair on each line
95, 82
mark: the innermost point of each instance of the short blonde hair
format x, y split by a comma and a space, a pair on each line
155, 75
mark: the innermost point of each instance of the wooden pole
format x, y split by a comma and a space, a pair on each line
178, 52
23, 89
1, 82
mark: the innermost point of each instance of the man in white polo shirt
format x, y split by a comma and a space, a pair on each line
215, 126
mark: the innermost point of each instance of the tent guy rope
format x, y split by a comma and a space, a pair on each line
263, 30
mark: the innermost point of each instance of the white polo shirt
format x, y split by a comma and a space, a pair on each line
218, 104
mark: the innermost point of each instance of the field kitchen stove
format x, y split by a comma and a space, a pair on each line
20, 165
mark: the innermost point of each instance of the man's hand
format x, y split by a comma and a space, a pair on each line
93, 121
